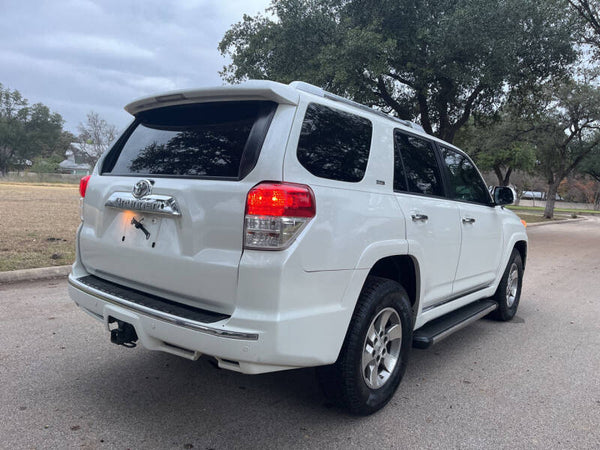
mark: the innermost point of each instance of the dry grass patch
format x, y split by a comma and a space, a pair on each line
536, 218
37, 225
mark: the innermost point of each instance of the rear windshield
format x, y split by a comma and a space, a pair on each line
205, 140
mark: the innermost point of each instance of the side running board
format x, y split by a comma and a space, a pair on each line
442, 327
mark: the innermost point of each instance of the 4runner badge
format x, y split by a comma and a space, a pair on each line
142, 188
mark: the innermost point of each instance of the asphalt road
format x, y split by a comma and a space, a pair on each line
530, 383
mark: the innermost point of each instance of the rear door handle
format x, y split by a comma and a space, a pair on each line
468, 220
419, 217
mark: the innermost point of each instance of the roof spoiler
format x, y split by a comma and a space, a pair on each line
250, 90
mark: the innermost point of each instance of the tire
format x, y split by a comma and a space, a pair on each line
508, 293
382, 324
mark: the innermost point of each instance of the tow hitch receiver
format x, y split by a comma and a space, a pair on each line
124, 334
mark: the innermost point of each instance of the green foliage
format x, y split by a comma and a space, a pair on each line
46, 165
589, 13
501, 144
567, 131
436, 60
591, 164
26, 131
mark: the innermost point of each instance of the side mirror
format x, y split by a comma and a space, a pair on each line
504, 195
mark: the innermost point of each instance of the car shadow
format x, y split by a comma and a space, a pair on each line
167, 397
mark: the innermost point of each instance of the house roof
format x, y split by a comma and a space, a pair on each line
74, 159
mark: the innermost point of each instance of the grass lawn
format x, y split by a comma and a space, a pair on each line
534, 214
37, 225
535, 218
540, 209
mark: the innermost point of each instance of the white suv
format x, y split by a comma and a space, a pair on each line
274, 227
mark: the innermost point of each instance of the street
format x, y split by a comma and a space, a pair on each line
530, 383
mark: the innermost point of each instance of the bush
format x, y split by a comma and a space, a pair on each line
46, 165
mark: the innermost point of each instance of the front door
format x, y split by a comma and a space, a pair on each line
480, 224
432, 221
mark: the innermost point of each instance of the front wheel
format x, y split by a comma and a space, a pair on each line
508, 293
375, 352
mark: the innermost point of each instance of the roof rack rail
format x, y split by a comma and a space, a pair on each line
312, 89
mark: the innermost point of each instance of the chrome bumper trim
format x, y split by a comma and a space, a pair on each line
192, 325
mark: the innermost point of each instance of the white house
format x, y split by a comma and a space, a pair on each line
73, 164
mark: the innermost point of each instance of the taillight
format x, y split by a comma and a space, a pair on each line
83, 185
276, 213
82, 188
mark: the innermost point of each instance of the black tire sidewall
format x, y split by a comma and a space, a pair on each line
360, 398
504, 312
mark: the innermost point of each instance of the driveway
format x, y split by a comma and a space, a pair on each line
530, 383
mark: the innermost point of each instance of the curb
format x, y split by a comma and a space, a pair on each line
556, 222
43, 273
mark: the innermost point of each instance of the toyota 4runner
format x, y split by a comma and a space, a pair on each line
275, 226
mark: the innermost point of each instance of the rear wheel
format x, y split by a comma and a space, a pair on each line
508, 293
375, 352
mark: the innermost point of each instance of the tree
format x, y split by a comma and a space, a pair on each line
567, 134
47, 165
589, 12
26, 132
439, 61
12, 134
95, 137
501, 144
591, 167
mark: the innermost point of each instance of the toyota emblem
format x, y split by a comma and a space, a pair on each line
142, 188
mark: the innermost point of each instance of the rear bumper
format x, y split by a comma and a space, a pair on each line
181, 337
244, 342
120, 301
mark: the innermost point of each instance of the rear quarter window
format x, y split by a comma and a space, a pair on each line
415, 165
205, 140
334, 144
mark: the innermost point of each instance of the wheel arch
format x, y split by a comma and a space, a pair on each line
521, 247
404, 269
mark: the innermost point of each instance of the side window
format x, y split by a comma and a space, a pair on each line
415, 166
465, 182
334, 144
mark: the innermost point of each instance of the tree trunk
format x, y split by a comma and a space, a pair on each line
447, 134
499, 175
551, 199
506, 180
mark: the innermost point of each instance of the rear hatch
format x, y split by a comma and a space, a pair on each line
165, 212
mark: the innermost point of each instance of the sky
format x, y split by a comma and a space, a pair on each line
77, 56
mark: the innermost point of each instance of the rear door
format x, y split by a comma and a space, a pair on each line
166, 213
432, 221
480, 224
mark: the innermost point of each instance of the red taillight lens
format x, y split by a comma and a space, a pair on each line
276, 213
83, 185
280, 199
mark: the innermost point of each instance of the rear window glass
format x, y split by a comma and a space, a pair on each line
334, 144
213, 140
